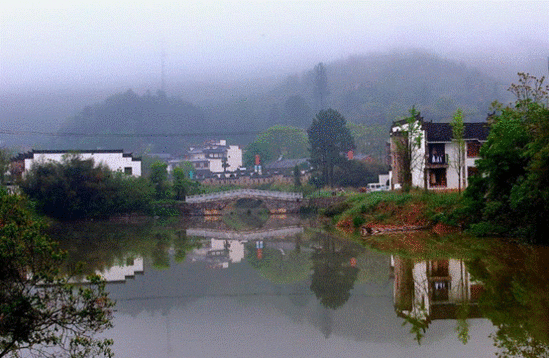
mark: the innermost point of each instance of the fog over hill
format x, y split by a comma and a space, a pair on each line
246, 64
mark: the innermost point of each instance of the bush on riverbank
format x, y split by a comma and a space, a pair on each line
416, 208
76, 188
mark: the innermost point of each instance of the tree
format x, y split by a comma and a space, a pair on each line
5, 156
179, 183
333, 275
159, 177
275, 142
40, 311
75, 188
458, 132
510, 196
329, 140
297, 176
320, 90
406, 141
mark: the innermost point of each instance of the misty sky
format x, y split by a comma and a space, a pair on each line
101, 45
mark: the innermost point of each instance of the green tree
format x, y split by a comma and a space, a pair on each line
275, 142
320, 89
369, 139
179, 183
159, 178
297, 176
5, 156
76, 188
329, 140
407, 141
458, 132
511, 194
40, 311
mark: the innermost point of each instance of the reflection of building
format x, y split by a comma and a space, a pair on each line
119, 273
435, 289
218, 253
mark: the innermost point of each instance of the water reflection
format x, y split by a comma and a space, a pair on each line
430, 290
504, 282
287, 278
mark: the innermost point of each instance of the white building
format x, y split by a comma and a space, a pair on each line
115, 160
433, 162
434, 289
215, 157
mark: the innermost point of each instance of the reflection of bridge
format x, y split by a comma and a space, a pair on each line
244, 193
245, 235
278, 202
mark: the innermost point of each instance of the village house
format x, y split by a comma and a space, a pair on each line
115, 160
433, 162
215, 157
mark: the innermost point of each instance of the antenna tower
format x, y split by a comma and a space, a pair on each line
163, 74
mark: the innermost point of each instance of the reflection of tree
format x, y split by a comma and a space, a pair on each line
102, 244
278, 267
516, 298
333, 276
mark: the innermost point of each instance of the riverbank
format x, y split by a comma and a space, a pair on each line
392, 211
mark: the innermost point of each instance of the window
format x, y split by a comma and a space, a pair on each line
473, 149
128, 170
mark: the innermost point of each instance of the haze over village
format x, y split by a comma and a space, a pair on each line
236, 61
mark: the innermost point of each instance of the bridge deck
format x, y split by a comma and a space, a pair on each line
244, 193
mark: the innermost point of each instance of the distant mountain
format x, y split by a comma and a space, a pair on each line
139, 123
370, 90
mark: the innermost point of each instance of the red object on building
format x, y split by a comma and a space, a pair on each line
353, 262
257, 159
350, 155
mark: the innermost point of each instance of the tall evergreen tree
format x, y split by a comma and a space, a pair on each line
329, 140
320, 90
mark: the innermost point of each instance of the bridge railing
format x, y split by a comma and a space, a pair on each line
244, 193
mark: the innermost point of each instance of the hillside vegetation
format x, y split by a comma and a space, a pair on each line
368, 90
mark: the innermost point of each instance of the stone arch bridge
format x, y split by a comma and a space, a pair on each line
277, 202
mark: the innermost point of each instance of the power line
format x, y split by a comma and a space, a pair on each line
130, 135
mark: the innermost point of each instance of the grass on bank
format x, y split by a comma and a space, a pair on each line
397, 208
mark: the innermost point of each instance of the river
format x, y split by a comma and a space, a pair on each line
254, 286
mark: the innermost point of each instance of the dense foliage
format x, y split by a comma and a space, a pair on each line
277, 142
329, 140
135, 123
40, 312
511, 195
76, 188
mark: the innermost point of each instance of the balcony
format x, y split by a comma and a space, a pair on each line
437, 161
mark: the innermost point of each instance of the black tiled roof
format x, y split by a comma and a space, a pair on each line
442, 132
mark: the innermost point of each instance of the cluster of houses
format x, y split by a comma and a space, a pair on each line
216, 162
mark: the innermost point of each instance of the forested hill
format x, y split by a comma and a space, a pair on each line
377, 88
371, 90
137, 123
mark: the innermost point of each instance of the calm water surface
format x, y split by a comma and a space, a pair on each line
283, 287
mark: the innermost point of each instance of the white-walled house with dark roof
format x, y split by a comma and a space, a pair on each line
432, 166
212, 155
115, 160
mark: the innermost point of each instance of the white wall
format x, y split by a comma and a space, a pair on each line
234, 158
115, 161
